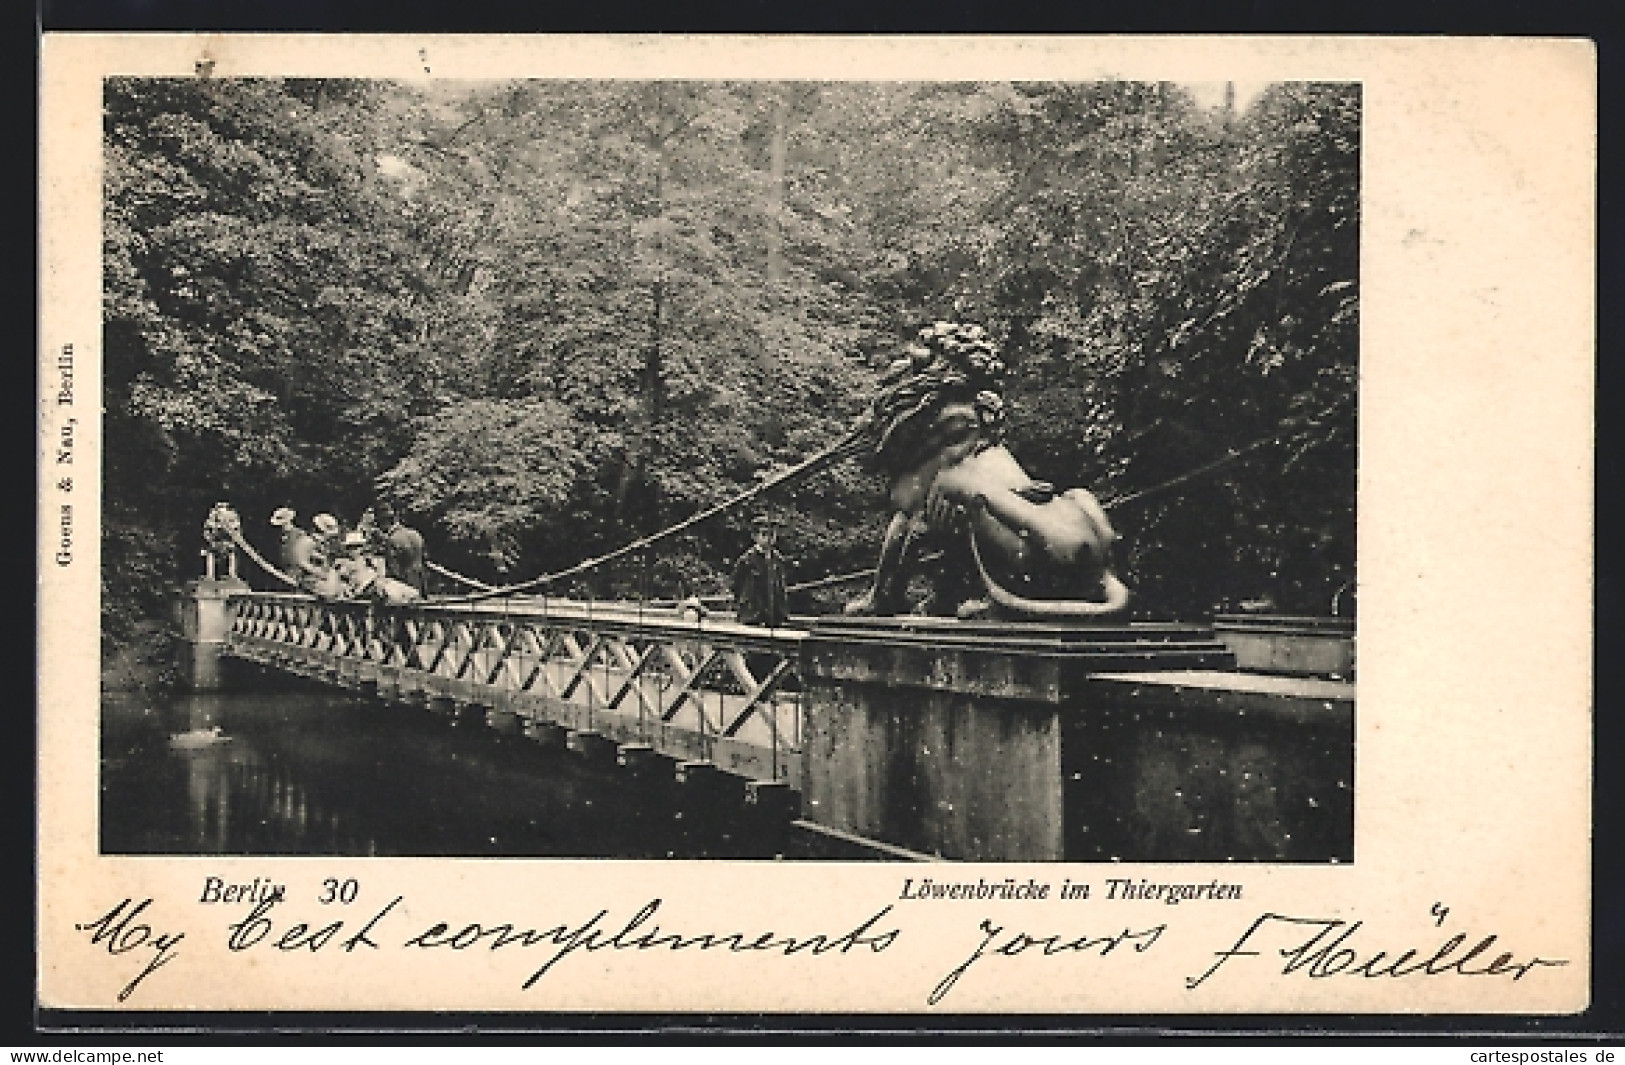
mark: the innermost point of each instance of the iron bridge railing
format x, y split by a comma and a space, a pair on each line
709, 690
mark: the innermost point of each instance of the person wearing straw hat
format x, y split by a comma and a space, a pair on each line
329, 533
758, 582
356, 575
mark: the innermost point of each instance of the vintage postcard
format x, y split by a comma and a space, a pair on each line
866, 525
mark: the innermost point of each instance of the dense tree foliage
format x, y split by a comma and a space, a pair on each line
545, 316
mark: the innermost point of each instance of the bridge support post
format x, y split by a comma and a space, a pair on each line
204, 610
1023, 743
945, 750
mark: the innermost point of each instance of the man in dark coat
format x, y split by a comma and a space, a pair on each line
403, 549
758, 584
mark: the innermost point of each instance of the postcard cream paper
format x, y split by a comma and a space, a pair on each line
1473, 717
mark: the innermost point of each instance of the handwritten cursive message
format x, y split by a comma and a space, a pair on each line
1313, 947
1056, 943
120, 933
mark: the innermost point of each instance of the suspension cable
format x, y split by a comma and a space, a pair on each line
1107, 504
814, 464
806, 467
1224, 460
248, 549
458, 577
1133, 497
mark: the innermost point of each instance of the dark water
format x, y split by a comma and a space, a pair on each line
301, 769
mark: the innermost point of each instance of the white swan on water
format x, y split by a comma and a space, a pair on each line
198, 737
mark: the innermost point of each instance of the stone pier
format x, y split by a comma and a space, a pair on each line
1013, 743
205, 618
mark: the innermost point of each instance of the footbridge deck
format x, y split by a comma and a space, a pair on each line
913, 736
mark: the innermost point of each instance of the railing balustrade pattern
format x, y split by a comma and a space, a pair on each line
708, 690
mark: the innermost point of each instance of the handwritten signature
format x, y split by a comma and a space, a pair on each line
1317, 952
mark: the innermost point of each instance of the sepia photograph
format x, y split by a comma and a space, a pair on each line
537, 527
682, 469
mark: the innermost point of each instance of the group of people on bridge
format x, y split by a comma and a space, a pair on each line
379, 558
382, 560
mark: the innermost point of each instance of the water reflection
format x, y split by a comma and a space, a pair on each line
299, 769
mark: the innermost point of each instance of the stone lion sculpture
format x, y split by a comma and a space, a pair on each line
220, 530
1009, 544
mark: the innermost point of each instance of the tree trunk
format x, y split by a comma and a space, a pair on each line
775, 203
635, 475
